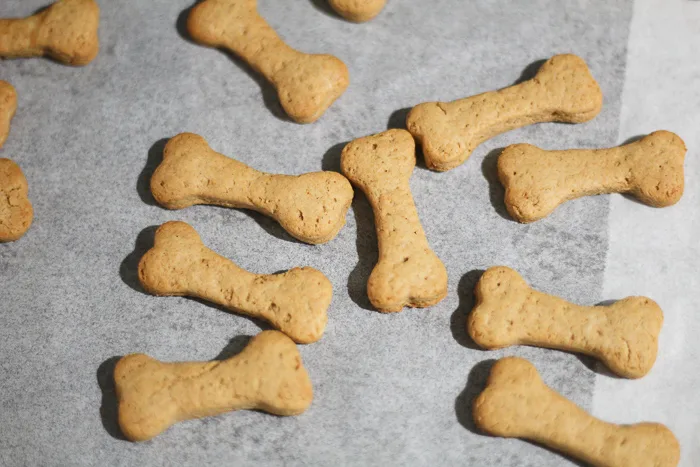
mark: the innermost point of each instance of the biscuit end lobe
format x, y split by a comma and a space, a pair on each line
659, 179
499, 291
490, 413
570, 83
358, 11
308, 85
169, 183
160, 271
522, 204
16, 211
69, 31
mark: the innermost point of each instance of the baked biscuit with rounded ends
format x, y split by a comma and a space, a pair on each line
311, 207
563, 90
358, 11
537, 181
267, 375
65, 31
307, 84
8, 107
16, 211
624, 335
517, 404
408, 272
295, 302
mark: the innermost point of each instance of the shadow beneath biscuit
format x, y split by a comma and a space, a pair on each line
109, 407
595, 365
476, 382
143, 184
233, 348
324, 7
530, 71
489, 167
632, 139
458, 320
572, 460
260, 323
367, 251
269, 225
129, 268
268, 91
331, 158
397, 120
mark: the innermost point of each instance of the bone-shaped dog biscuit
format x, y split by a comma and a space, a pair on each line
408, 272
358, 11
16, 211
517, 404
66, 31
537, 181
311, 207
8, 106
563, 90
267, 375
623, 335
294, 302
306, 84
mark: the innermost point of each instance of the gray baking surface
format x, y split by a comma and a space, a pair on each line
389, 389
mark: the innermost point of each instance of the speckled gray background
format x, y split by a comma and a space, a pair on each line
389, 389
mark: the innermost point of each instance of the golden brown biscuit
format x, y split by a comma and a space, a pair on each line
16, 211
537, 181
306, 84
358, 11
508, 312
311, 207
267, 375
295, 302
517, 404
66, 31
563, 91
408, 272
8, 107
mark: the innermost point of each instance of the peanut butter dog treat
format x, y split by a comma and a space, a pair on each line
66, 31
408, 272
15, 209
517, 404
8, 106
306, 84
563, 91
537, 181
623, 335
267, 375
311, 207
294, 302
358, 11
